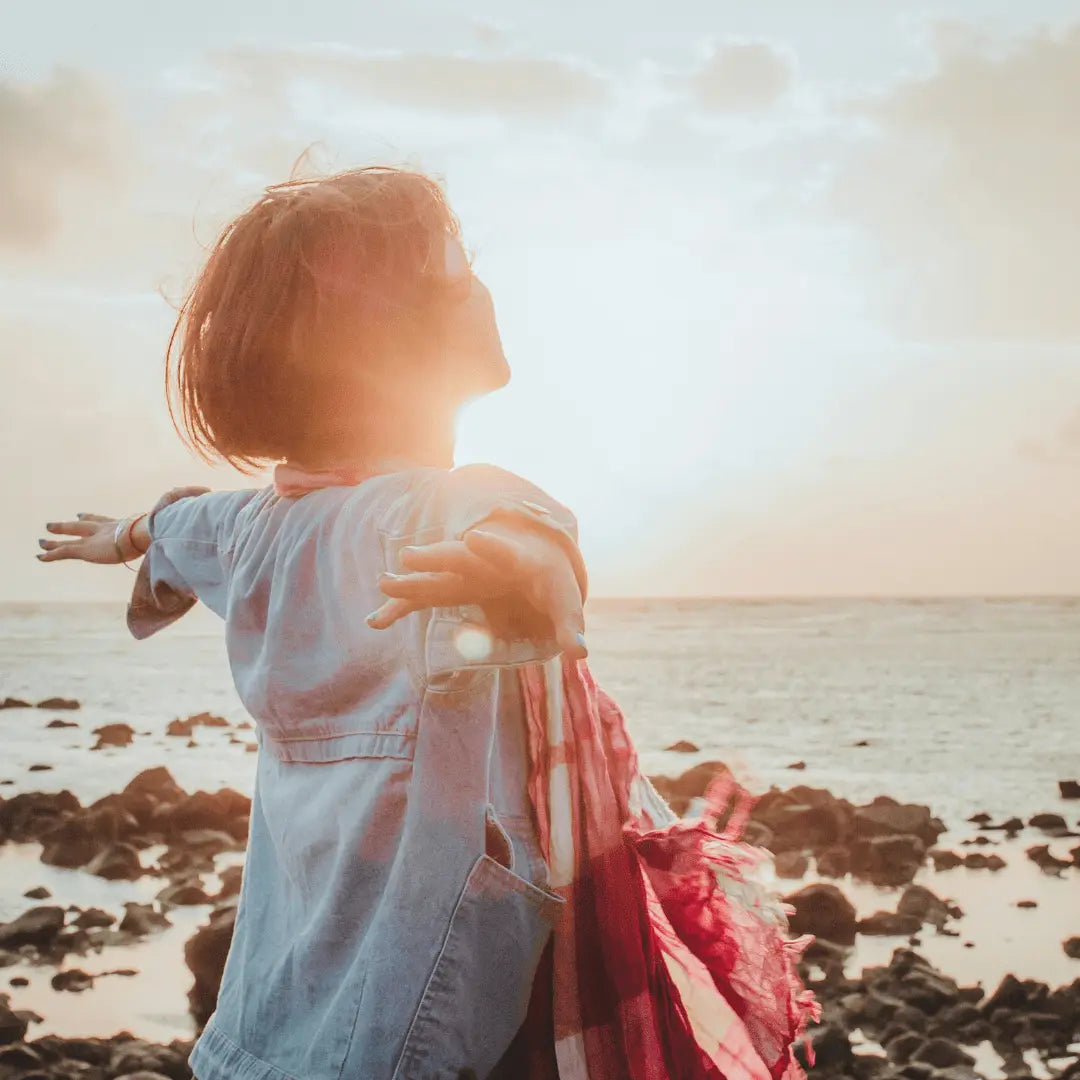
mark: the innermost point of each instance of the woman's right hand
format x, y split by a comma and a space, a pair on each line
94, 543
96, 534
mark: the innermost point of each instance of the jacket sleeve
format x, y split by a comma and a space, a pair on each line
190, 547
451, 640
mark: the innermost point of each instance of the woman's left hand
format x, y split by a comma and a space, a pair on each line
493, 563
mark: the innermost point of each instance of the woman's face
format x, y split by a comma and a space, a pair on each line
473, 345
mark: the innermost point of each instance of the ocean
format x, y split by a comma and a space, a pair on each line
965, 705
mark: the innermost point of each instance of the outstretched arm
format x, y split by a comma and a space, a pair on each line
103, 540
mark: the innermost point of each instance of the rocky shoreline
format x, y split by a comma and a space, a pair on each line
901, 1019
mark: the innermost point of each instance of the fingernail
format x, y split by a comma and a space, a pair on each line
580, 639
41, 543
80, 515
49, 524
39, 556
370, 619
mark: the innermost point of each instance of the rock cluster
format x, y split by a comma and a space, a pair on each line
107, 836
924, 1024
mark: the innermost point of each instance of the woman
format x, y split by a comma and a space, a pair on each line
397, 898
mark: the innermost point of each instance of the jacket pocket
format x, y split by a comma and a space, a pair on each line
478, 992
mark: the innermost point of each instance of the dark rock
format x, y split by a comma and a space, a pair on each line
205, 719
135, 1057
1072, 948
1047, 863
186, 726
681, 790
1027, 904
205, 954
888, 923
982, 818
798, 766
824, 911
942, 1053
205, 810
213, 840
113, 735
945, 860
888, 859
141, 919
20, 1056
1010, 825
1074, 854
916, 1070
231, 880
901, 1048
1070, 789
12, 1026
86, 1051
40, 768
831, 1045
37, 893
58, 723
37, 927
683, 746
73, 980
1047, 822
18, 980
59, 703
117, 862
183, 893
834, 862
15, 703
1010, 994
861, 743
179, 863
791, 864
25, 817
977, 860
955, 1017
157, 782
920, 902
143, 1074
887, 817
93, 917
251, 748
70, 844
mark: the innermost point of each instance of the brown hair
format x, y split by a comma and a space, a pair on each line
317, 280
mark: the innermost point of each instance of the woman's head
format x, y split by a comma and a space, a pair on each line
335, 316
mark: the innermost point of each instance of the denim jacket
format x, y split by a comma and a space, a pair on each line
394, 904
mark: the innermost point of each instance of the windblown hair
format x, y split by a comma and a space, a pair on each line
319, 280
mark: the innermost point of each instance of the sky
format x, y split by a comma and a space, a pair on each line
791, 291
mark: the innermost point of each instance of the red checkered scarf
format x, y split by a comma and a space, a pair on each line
669, 962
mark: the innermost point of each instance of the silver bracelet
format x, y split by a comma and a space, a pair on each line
121, 528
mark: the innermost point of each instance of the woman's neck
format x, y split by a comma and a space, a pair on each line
409, 444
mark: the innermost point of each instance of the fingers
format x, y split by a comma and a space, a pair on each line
99, 518
445, 556
562, 603
55, 550
188, 491
440, 590
506, 556
387, 614
80, 527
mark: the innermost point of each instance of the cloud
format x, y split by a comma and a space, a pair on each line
967, 185
53, 136
741, 77
523, 87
